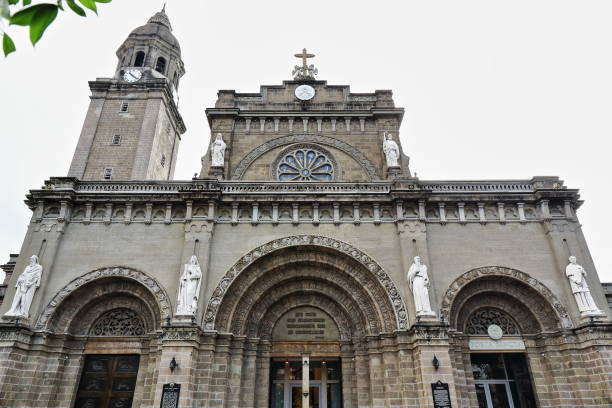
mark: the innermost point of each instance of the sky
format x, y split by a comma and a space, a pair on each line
492, 89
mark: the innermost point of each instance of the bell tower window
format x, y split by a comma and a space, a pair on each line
140, 57
160, 66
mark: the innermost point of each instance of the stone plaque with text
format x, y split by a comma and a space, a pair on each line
305, 324
170, 395
441, 396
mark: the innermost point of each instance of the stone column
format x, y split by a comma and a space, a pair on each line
249, 375
432, 341
262, 380
180, 344
362, 372
305, 381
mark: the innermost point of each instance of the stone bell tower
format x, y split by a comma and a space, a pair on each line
133, 127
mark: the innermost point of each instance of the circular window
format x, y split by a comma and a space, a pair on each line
305, 163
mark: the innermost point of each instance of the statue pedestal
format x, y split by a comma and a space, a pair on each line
184, 319
394, 172
593, 316
217, 172
427, 317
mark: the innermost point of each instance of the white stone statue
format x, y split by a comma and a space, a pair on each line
217, 152
419, 284
391, 151
26, 285
577, 277
189, 288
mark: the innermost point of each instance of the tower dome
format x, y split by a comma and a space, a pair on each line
152, 49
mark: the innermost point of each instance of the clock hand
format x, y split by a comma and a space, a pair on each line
132, 75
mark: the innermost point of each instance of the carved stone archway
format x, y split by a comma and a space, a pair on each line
156, 296
254, 154
537, 300
374, 292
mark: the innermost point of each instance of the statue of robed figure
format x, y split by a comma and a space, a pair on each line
419, 284
577, 277
189, 288
217, 152
391, 150
26, 285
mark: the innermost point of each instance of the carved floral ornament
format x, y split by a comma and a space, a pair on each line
217, 296
486, 271
118, 322
250, 158
151, 284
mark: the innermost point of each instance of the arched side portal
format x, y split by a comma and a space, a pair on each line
521, 293
306, 264
87, 292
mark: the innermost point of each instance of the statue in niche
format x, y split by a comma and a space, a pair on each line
577, 277
217, 151
26, 285
189, 288
419, 284
391, 150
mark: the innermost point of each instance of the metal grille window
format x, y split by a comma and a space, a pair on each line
480, 320
108, 173
124, 107
118, 322
116, 140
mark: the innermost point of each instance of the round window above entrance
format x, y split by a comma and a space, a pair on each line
305, 162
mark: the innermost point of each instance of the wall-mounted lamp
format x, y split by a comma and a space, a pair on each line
173, 365
435, 363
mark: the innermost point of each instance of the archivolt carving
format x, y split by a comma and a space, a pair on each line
324, 274
390, 290
337, 299
151, 284
254, 154
449, 300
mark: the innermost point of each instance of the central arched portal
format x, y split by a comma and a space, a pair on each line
309, 308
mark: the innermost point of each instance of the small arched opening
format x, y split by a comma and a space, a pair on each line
139, 59
160, 65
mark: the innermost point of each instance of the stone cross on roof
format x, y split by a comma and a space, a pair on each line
305, 71
304, 56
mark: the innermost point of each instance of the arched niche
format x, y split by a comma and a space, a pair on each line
532, 305
75, 307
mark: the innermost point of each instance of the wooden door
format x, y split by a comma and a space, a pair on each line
107, 381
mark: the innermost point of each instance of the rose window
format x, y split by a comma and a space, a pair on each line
305, 164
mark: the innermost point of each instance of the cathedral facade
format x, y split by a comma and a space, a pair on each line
305, 266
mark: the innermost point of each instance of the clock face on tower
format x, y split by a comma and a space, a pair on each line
132, 75
304, 92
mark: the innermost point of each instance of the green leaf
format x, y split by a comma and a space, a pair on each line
13, 2
103, 1
41, 20
24, 16
76, 8
90, 4
27, 2
8, 45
